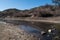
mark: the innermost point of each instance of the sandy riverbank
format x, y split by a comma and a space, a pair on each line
45, 20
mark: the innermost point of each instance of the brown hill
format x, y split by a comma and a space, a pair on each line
41, 11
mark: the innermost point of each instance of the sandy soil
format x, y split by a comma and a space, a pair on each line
40, 19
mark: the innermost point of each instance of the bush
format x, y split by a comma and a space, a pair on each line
46, 14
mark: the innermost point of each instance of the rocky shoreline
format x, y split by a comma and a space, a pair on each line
11, 32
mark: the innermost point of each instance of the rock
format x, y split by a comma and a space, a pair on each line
49, 30
43, 32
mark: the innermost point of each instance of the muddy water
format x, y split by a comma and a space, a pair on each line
29, 29
37, 25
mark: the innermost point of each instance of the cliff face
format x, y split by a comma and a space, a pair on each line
41, 11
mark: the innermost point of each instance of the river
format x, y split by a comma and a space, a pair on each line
35, 28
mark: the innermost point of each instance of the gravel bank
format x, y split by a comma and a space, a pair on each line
11, 32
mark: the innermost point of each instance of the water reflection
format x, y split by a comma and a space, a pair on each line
45, 36
29, 29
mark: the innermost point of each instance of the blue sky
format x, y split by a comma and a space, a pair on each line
22, 4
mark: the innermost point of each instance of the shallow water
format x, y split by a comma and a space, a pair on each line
29, 29
36, 32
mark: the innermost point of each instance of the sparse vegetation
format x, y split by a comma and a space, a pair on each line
41, 11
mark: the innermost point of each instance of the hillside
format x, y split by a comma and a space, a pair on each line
41, 11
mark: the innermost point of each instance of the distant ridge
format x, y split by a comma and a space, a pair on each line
41, 11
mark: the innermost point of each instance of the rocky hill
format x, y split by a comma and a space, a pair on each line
41, 11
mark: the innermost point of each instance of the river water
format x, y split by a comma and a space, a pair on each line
36, 32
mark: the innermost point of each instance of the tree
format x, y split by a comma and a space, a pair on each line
57, 2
